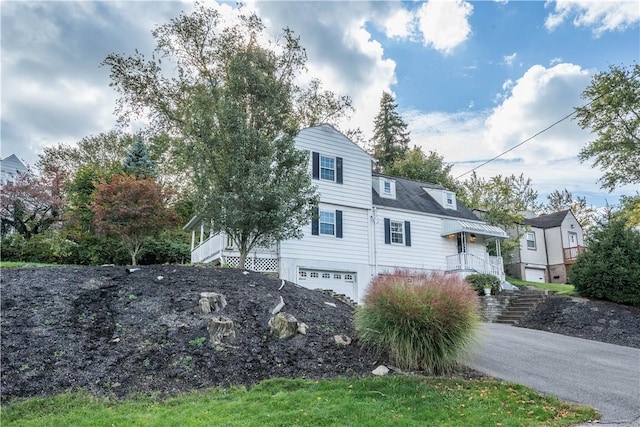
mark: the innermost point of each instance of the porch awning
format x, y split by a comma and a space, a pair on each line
453, 226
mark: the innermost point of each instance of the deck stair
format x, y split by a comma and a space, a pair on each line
520, 304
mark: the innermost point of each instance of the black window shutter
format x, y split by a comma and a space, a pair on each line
339, 170
316, 165
315, 222
387, 231
339, 224
407, 233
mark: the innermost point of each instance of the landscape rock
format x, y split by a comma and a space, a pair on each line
380, 371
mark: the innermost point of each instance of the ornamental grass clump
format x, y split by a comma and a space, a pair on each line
423, 321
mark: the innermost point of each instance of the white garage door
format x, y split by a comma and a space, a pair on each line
534, 275
341, 282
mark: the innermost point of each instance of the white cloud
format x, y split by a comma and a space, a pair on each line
540, 97
354, 64
509, 59
399, 24
444, 24
600, 16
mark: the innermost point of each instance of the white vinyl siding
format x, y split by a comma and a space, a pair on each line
355, 191
428, 249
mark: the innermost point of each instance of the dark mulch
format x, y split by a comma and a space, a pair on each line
589, 319
117, 333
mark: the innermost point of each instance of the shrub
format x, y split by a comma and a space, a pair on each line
482, 281
610, 267
424, 321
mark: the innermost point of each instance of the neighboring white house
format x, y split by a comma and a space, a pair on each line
10, 166
550, 245
367, 223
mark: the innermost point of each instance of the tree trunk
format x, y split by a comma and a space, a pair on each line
243, 258
220, 327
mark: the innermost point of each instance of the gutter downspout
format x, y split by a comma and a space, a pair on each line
374, 221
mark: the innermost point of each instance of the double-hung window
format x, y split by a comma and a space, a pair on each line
327, 168
327, 223
531, 240
397, 232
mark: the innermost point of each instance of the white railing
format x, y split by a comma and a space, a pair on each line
212, 249
208, 250
482, 264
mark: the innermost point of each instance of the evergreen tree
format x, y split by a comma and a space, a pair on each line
390, 138
138, 162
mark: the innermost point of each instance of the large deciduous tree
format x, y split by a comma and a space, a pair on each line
233, 107
418, 166
131, 210
613, 114
390, 142
29, 205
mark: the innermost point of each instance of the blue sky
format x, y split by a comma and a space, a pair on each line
472, 79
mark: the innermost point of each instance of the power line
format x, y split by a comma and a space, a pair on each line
543, 130
518, 145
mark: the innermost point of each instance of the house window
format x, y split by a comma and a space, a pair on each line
387, 187
327, 223
448, 197
326, 275
337, 276
531, 241
397, 232
327, 168
314, 274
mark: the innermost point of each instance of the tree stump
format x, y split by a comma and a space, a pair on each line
220, 327
216, 301
284, 325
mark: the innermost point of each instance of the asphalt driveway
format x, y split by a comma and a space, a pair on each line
604, 376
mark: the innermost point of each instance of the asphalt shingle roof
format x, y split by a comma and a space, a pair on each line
548, 220
410, 195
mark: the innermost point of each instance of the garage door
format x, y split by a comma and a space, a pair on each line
534, 275
341, 282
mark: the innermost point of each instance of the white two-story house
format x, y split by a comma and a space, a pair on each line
366, 224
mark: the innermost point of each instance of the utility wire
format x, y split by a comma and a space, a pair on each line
518, 145
542, 131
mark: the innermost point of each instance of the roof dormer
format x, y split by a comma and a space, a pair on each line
445, 198
385, 187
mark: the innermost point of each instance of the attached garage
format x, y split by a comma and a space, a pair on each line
340, 282
534, 275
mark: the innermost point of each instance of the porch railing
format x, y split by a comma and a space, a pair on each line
570, 254
482, 264
208, 250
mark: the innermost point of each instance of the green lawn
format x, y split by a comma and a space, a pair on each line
558, 288
396, 400
18, 264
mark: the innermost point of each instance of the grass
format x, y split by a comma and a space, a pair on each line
18, 264
558, 288
397, 400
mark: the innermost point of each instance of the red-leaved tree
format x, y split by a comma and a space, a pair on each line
29, 205
131, 210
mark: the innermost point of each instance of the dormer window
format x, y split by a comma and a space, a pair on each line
387, 187
449, 199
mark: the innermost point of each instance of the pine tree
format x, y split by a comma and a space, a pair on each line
138, 162
391, 138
